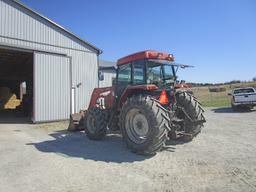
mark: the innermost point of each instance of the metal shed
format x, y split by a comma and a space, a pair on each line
59, 68
108, 70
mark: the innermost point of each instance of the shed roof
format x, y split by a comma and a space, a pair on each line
57, 25
107, 65
104, 63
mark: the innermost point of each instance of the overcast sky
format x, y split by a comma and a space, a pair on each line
218, 37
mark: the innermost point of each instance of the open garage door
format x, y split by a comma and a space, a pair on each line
16, 84
51, 87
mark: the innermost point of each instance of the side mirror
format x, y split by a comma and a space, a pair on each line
229, 94
101, 76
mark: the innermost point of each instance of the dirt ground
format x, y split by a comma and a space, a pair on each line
47, 158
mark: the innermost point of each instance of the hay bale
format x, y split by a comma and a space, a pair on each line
8, 100
217, 89
12, 104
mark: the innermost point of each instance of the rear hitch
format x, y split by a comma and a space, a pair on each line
76, 121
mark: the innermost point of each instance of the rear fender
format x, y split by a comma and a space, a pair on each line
134, 90
106, 94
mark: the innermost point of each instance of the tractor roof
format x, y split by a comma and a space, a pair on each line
148, 54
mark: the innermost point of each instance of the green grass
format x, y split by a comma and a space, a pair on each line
219, 99
212, 99
216, 102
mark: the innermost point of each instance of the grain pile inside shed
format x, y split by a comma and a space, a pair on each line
8, 100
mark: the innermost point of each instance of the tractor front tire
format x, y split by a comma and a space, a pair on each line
95, 124
114, 124
194, 112
143, 123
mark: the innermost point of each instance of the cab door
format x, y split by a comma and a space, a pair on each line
124, 78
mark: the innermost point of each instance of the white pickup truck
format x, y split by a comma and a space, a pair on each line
243, 98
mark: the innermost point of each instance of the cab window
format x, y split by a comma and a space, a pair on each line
138, 72
124, 74
154, 73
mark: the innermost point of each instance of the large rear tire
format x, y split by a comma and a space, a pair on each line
143, 122
194, 113
95, 124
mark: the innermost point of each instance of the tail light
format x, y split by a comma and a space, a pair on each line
164, 98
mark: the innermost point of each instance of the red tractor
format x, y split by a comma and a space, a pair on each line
144, 104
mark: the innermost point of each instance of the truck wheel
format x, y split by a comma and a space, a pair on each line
95, 124
143, 122
194, 113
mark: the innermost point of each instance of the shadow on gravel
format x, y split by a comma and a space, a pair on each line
76, 144
178, 141
169, 146
230, 110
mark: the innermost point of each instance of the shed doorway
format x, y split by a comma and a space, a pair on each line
16, 84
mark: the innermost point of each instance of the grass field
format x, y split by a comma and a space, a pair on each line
217, 99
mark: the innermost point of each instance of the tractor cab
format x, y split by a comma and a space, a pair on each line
147, 67
149, 71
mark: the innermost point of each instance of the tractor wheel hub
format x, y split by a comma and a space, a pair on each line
140, 124
136, 126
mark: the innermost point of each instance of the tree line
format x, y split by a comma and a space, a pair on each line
219, 84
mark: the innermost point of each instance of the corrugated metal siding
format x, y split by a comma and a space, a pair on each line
84, 77
108, 78
19, 28
51, 87
17, 22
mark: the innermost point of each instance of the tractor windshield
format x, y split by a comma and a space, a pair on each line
159, 73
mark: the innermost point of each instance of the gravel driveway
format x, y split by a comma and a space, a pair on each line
47, 158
